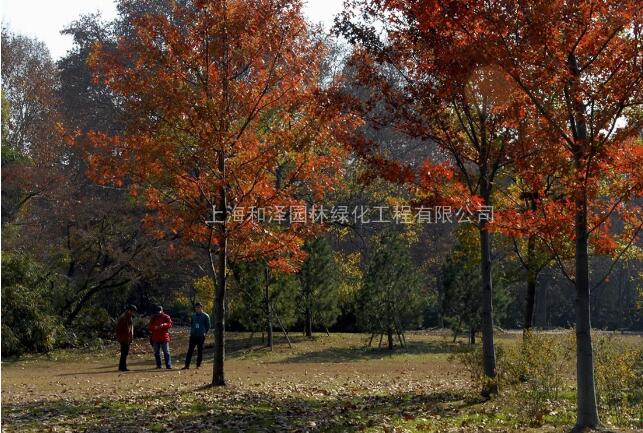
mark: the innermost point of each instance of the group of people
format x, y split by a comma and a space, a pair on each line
159, 327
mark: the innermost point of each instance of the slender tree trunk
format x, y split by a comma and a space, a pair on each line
440, 302
268, 317
389, 334
400, 334
218, 378
531, 283
283, 329
488, 348
309, 321
472, 336
370, 341
586, 408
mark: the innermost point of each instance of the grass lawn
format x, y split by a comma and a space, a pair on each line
329, 384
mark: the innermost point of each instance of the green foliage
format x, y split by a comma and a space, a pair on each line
350, 276
204, 293
319, 283
10, 153
28, 324
392, 296
94, 323
248, 297
200, 290
461, 285
253, 287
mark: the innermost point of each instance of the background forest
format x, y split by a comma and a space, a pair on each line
75, 252
431, 198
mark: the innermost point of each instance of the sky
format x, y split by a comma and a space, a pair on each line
43, 19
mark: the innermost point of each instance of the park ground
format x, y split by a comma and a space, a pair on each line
328, 384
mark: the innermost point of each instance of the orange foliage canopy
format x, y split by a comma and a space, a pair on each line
222, 97
569, 109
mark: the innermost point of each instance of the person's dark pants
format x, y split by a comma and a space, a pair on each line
198, 342
122, 365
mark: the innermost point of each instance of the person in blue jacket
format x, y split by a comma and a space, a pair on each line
198, 331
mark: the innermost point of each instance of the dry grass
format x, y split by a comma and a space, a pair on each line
328, 384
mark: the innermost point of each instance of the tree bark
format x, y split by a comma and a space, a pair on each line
218, 377
268, 313
472, 336
309, 321
531, 283
586, 408
488, 348
389, 333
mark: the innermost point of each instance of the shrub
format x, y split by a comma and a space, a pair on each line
28, 323
544, 360
140, 327
617, 370
92, 323
473, 363
10, 342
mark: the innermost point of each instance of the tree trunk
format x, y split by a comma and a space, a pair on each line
268, 316
389, 333
586, 409
283, 329
488, 348
531, 283
472, 336
309, 321
370, 341
218, 378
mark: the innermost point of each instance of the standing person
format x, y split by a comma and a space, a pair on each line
125, 334
159, 326
198, 330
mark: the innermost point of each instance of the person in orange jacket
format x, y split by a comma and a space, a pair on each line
125, 334
159, 326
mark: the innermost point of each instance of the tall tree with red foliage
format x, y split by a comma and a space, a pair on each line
225, 113
448, 96
579, 68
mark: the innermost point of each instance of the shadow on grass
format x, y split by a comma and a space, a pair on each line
357, 353
239, 347
232, 410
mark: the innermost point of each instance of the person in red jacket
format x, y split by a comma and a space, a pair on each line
159, 326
